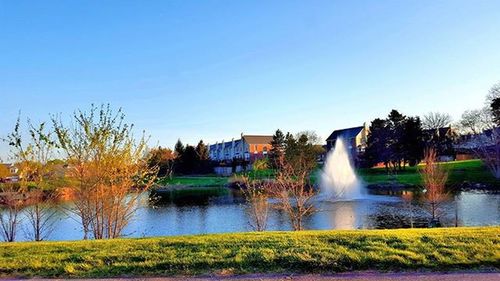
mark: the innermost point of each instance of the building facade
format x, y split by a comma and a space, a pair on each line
356, 140
248, 148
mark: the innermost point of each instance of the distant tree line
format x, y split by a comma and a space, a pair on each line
183, 160
399, 140
395, 141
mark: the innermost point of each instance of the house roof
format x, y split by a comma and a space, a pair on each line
250, 139
224, 145
255, 139
345, 133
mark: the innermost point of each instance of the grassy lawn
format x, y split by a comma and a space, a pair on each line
194, 181
268, 252
460, 172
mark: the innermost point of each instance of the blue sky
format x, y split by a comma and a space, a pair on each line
213, 69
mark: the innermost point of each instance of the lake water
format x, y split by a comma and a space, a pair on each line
229, 213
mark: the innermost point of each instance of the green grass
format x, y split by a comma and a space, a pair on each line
194, 181
460, 171
188, 193
268, 252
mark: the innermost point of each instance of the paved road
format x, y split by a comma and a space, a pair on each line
337, 277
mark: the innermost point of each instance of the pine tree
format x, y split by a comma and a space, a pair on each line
277, 148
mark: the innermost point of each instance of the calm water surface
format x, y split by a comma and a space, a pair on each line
229, 213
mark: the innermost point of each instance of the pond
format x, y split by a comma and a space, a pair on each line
229, 213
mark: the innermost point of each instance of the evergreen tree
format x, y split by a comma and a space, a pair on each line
412, 141
495, 110
190, 160
203, 157
395, 122
277, 148
377, 145
179, 155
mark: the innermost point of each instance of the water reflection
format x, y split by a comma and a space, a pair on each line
229, 213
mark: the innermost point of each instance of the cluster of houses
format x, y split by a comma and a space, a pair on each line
239, 154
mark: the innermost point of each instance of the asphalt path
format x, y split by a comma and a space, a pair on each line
364, 276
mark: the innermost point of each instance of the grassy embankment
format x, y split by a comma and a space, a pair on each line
191, 189
268, 252
460, 171
472, 171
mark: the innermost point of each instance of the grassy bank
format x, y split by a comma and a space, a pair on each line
194, 181
460, 171
310, 251
188, 194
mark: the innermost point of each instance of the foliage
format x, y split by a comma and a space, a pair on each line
191, 160
37, 171
300, 154
268, 252
163, 159
4, 172
108, 167
277, 148
261, 164
495, 110
395, 141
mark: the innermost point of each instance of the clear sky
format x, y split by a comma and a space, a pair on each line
214, 69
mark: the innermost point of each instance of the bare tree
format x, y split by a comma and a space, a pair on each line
256, 195
294, 192
493, 94
312, 137
434, 176
11, 205
487, 147
436, 120
108, 167
476, 121
40, 216
32, 155
485, 139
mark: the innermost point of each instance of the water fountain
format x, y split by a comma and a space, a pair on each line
338, 178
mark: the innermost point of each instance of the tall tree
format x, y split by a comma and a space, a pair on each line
203, 157
190, 160
107, 167
412, 141
476, 121
32, 152
395, 122
163, 159
277, 148
495, 110
436, 120
179, 150
377, 145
